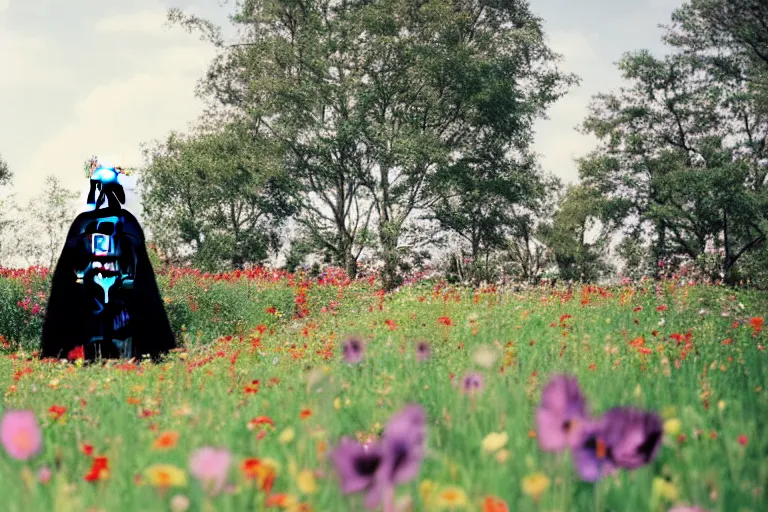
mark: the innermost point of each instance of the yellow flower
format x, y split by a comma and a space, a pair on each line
337, 403
451, 497
672, 426
664, 489
306, 482
165, 475
427, 490
721, 405
286, 436
495, 441
535, 485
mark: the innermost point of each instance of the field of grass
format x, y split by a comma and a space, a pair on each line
263, 380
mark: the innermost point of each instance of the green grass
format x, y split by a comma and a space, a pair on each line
719, 392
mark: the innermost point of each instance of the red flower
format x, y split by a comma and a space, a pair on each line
743, 440
663, 307
57, 411
444, 320
271, 310
87, 449
756, 323
76, 353
99, 469
253, 387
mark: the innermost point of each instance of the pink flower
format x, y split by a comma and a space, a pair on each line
44, 475
20, 434
210, 466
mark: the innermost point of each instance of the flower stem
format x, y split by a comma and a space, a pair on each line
389, 499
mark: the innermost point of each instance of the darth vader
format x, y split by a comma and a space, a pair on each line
104, 301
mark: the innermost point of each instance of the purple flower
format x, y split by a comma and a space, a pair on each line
353, 350
423, 351
472, 383
635, 436
561, 414
356, 464
624, 437
379, 467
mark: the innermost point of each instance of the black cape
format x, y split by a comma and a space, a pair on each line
104, 296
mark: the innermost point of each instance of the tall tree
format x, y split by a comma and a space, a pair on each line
580, 212
40, 233
672, 156
216, 198
5, 206
371, 99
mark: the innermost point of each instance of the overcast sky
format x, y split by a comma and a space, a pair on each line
86, 77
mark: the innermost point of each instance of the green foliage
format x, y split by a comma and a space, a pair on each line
372, 99
681, 153
216, 199
579, 212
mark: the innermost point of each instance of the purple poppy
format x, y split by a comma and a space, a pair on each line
592, 456
624, 437
353, 350
634, 436
356, 464
423, 351
561, 414
472, 383
395, 459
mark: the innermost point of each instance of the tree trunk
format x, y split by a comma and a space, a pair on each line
388, 235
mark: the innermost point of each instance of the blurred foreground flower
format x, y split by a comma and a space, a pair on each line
561, 415
210, 466
377, 468
20, 434
535, 485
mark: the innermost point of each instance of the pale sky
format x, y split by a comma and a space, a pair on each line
85, 77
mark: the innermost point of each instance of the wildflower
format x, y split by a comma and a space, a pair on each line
451, 497
472, 383
287, 435
179, 503
684, 508
423, 351
623, 437
535, 485
306, 482
210, 466
427, 490
166, 441
561, 413
493, 504
661, 488
76, 353
263, 471
305, 413
44, 475
259, 421
495, 441
20, 434
743, 440
377, 467
99, 470
57, 411
757, 324
672, 427
166, 475
485, 356
353, 350
285, 501
444, 320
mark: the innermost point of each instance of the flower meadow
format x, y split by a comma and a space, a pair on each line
326, 394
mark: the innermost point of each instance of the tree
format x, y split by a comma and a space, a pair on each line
5, 206
579, 213
216, 198
40, 233
677, 154
372, 99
